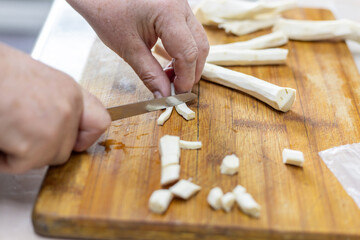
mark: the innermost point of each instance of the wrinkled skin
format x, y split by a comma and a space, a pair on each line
131, 28
44, 114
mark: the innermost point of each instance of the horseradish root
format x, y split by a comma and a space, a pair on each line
190, 145
224, 57
214, 198
230, 165
184, 189
160, 200
227, 201
293, 157
164, 116
277, 97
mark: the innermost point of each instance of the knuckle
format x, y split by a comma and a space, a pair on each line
191, 54
148, 79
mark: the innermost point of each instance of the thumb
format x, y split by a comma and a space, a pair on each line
94, 121
148, 69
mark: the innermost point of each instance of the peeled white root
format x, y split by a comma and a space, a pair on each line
248, 205
227, 201
212, 12
183, 109
169, 145
160, 200
230, 165
170, 154
164, 116
170, 174
244, 27
319, 30
214, 198
247, 57
293, 157
271, 40
184, 189
190, 145
277, 97
238, 190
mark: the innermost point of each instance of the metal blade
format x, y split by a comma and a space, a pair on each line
133, 109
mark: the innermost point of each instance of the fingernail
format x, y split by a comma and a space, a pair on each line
157, 94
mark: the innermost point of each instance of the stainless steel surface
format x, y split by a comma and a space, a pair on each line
133, 109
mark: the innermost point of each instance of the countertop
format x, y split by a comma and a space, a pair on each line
65, 36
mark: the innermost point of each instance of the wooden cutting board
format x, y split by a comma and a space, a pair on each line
104, 192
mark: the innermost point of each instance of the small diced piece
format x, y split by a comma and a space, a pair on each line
185, 111
230, 165
214, 198
190, 145
184, 189
293, 157
170, 145
164, 116
227, 201
169, 160
170, 174
238, 190
248, 205
160, 200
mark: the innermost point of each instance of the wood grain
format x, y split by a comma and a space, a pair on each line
103, 193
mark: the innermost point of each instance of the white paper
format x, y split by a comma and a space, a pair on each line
344, 162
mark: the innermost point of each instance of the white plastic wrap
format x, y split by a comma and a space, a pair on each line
344, 162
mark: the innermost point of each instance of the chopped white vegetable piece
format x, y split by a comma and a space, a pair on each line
230, 165
212, 12
190, 145
170, 174
214, 198
169, 145
247, 57
277, 97
293, 157
271, 40
248, 205
227, 201
238, 190
160, 200
184, 189
243, 27
305, 30
185, 111
169, 160
164, 116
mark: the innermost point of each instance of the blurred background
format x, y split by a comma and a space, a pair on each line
21, 22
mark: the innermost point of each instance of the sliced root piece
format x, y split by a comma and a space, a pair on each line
169, 145
160, 200
305, 30
164, 116
247, 57
248, 205
190, 145
238, 190
170, 174
293, 157
185, 111
277, 97
227, 201
230, 165
169, 160
271, 40
214, 198
243, 27
184, 189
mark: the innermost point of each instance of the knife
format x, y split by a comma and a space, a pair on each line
132, 109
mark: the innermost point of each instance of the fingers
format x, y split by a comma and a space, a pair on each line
202, 43
180, 44
147, 68
94, 121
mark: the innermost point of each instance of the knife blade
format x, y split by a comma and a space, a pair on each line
132, 109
